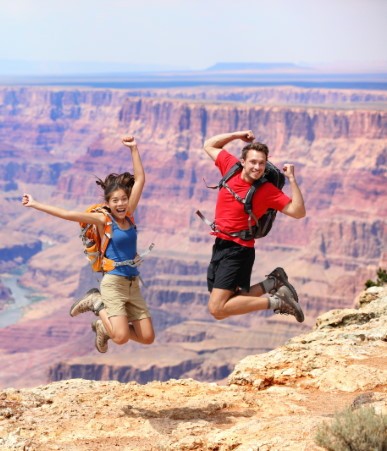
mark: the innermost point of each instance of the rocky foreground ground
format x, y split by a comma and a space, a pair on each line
273, 401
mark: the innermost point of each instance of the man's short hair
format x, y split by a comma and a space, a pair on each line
259, 147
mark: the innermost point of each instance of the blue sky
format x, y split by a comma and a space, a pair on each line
194, 34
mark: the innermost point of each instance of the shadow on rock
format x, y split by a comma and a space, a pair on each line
213, 413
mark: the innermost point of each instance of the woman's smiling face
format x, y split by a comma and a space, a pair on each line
118, 203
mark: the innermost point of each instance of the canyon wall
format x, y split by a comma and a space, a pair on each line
54, 141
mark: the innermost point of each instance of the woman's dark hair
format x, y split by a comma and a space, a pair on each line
113, 182
259, 147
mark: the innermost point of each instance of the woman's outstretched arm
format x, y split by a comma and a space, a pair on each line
69, 215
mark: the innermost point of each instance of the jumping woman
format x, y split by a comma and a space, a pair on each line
123, 313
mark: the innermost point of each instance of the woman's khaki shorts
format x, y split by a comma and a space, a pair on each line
122, 297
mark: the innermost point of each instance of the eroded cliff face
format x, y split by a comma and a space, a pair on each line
273, 401
280, 95
54, 141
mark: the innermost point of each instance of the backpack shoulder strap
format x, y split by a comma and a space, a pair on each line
108, 230
130, 218
232, 171
250, 193
272, 175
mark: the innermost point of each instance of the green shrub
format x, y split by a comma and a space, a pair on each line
354, 430
381, 279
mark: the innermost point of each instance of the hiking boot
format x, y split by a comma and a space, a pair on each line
280, 278
90, 302
287, 304
101, 336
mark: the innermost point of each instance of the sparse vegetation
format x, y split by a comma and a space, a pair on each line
354, 430
381, 279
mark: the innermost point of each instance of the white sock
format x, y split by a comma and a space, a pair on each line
274, 302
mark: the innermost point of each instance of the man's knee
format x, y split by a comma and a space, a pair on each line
216, 311
217, 302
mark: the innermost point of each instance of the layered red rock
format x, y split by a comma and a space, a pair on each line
56, 140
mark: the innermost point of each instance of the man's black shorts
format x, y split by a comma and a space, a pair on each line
230, 266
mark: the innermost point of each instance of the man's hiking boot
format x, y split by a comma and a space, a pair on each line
280, 278
101, 336
287, 304
90, 302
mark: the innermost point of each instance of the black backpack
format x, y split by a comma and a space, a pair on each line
262, 225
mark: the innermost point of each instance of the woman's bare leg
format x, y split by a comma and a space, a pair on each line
142, 331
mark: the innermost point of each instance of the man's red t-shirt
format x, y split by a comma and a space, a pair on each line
229, 214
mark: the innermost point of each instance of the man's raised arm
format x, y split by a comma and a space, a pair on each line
215, 144
295, 208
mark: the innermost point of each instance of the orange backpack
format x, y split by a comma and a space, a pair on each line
94, 246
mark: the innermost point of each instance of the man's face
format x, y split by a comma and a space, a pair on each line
253, 166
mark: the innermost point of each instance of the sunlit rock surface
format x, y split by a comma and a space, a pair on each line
273, 401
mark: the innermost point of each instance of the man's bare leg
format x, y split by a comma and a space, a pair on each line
225, 303
273, 282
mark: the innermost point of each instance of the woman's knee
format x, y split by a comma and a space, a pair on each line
148, 339
120, 337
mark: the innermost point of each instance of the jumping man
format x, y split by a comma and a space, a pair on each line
229, 271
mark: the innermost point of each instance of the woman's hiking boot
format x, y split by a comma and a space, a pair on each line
101, 336
286, 305
279, 277
90, 302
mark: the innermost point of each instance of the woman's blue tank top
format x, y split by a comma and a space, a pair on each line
123, 246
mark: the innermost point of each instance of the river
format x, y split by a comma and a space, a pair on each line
13, 312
